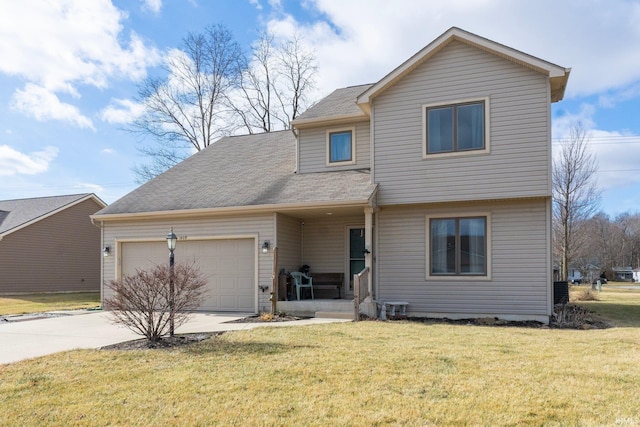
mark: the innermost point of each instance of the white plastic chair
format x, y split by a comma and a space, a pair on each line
299, 282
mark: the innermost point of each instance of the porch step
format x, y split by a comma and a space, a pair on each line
335, 314
311, 307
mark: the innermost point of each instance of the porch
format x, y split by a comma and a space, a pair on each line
328, 243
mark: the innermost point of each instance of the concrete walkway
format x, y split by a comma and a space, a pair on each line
28, 336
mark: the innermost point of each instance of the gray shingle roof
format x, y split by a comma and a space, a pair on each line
249, 170
14, 213
340, 102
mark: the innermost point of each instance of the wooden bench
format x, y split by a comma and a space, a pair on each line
329, 281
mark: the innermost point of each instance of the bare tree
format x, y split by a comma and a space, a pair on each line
185, 110
142, 302
275, 84
576, 196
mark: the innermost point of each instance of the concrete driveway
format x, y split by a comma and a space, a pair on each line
24, 339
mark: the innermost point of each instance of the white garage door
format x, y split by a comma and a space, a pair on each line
228, 265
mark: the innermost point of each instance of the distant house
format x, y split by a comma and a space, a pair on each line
48, 244
623, 274
432, 186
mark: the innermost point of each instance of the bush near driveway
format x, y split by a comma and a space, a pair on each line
147, 301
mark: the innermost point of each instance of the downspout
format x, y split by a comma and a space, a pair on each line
372, 137
100, 225
296, 135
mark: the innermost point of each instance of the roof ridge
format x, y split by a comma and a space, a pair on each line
47, 197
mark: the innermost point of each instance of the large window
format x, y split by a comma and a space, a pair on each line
340, 146
458, 246
455, 127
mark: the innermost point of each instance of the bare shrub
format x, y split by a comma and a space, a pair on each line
141, 302
585, 295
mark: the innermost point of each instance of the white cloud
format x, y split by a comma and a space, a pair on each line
92, 188
42, 104
256, 4
107, 151
13, 162
587, 36
121, 111
152, 5
59, 46
616, 152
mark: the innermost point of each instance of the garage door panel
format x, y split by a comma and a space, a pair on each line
227, 265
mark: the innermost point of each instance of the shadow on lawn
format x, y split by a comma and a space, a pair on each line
615, 313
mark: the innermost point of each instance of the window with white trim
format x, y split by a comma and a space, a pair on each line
457, 246
455, 127
340, 146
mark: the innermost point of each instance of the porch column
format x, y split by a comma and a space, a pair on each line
368, 244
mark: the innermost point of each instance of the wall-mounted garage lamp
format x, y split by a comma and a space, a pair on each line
265, 247
106, 251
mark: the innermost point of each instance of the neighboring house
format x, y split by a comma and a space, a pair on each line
48, 244
636, 275
623, 274
434, 182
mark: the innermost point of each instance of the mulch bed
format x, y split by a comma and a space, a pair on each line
164, 342
188, 339
267, 318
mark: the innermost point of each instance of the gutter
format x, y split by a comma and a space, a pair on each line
232, 210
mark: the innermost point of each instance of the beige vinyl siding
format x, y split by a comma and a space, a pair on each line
325, 243
520, 270
60, 253
313, 148
519, 159
289, 242
261, 227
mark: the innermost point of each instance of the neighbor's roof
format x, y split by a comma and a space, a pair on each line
242, 171
16, 214
339, 104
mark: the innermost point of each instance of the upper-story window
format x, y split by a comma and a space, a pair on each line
456, 127
341, 146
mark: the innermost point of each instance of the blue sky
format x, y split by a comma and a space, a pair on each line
69, 72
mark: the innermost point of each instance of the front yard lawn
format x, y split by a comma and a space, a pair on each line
364, 374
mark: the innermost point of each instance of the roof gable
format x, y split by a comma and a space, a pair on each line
20, 213
338, 106
558, 75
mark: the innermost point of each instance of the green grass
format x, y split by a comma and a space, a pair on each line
360, 374
35, 303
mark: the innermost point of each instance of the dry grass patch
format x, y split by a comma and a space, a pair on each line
366, 373
584, 294
40, 302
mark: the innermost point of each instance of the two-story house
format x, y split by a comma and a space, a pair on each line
433, 184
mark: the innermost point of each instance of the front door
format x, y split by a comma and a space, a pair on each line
356, 254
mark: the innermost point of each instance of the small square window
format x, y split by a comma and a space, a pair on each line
340, 146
